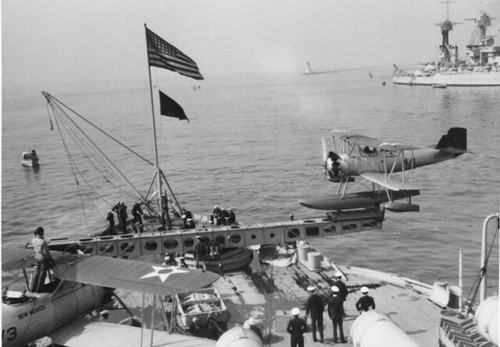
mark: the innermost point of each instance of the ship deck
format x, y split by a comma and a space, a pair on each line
268, 292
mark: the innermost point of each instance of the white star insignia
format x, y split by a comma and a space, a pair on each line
164, 272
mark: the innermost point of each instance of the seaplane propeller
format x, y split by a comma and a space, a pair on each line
323, 143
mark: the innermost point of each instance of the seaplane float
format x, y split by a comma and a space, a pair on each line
388, 166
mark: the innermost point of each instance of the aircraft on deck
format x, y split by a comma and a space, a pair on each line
78, 285
387, 165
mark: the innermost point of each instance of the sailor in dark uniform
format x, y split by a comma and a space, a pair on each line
200, 253
341, 286
137, 214
122, 217
231, 219
110, 218
336, 313
215, 215
365, 302
315, 307
296, 328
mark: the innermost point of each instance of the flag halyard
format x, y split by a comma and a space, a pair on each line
163, 55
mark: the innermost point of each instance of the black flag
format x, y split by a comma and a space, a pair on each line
170, 108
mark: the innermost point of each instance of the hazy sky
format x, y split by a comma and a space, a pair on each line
86, 40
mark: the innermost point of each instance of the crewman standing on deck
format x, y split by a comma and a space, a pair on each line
137, 214
341, 286
200, 253
214, 218
111, 224
296, 328
365, 302
336, 313
122, 217
315, 307
44, 260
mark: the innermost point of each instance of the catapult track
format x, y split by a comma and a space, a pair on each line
180, 241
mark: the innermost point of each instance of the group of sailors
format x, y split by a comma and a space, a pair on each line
120, 209
222, 216
315, 307
219, 216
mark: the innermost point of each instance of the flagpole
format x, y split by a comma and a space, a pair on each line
160, 200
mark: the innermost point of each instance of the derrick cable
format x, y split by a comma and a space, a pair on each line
60, 104
76, 169
84, 147
89, 154
70, 159
102, 131
74, 134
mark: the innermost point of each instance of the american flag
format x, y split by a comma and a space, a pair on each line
163, 55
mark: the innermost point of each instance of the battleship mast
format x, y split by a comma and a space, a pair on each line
449, 53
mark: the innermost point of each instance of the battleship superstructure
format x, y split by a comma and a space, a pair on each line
479, 67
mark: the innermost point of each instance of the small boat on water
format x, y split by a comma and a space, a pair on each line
29, 158
439, 86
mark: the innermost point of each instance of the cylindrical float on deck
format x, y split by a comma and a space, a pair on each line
373, 329
314, 260
303, 250
239, 337
487, 319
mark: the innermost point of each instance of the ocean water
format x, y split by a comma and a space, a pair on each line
254, 144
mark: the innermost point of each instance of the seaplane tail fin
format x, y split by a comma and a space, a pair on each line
455, 141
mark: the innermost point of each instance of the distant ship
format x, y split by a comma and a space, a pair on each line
480, 67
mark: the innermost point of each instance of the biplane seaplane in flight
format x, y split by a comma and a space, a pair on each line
78, 285
388, 166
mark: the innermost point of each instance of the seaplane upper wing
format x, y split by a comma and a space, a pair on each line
396, 147
362, 140
389, 183
132, 275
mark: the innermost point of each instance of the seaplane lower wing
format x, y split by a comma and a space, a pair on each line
131, 274
81, 333
389, 183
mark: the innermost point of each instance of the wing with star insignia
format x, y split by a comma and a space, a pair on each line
132, 275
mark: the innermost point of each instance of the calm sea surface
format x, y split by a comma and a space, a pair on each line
254, 144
